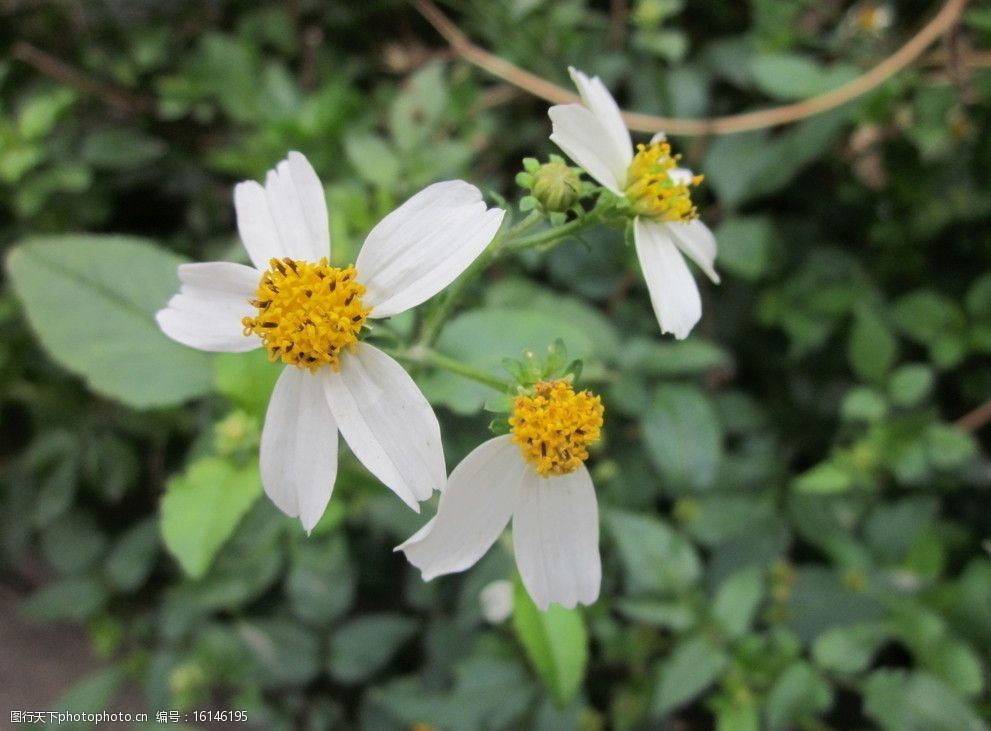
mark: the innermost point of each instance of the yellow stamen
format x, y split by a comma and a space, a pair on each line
654, 192
308, 314
555, 425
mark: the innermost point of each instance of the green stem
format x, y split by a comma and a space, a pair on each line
421, 355
551, 236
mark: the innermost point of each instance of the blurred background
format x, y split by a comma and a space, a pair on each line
794, 501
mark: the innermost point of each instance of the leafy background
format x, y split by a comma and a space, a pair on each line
794, 513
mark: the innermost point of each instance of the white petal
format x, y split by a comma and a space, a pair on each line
474, 509
556, 539
422, 246
697, 242
597, 98
388, 424
288, 217
672, 288
299, 446
206, 313
584, 139
255, 224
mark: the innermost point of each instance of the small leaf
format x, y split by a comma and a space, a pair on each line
910, 384
745, 246
555, 641
92, 300
202, 507
693, 666
363, 646
872, 348
737, 600
683, 437
823, 479
656, 558
798, 694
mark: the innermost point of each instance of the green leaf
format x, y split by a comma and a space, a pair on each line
683, 438
823, 479
73, 543
363, 646
694, 665
798, 694
203, 506
745, 246
284, 652
92, 300
948, 447
75, 599
910, 384
247, 379
93, 694
677, 358
871, 348
737, 600
656, 558
555, 641
133, 557
863, 404
901, 701
850, 649
791, 76
372, 159
321, 584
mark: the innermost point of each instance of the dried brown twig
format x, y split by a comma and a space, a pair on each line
947, 17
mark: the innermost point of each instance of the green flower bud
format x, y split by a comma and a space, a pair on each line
556, 186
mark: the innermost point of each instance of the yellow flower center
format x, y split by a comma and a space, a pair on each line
307, 313
652, 188
555, 425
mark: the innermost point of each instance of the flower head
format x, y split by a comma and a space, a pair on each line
536, 475
666, 223
310, 315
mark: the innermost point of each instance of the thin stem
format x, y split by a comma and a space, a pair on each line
948, 16
551, 235
425, 356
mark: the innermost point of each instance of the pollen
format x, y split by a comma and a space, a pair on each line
554, 425
657, 187
308, 314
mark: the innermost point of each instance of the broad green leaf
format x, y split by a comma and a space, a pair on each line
849, 649
372, 159
555, 641
74, 599
745, 246
792, 76
910, 384
247, 379
73, 543
670, 615
203, 506
655, 557
823, 479
799, 693
736, 601
320, 585
683, 437
872, 348
363, 646
93, 694
694, 665
863, 403
901, 701
821, 599
675, 358
948, 447
92, 300
285, 653
133, 556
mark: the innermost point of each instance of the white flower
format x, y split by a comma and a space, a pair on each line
536, 476
666, 224
308, 315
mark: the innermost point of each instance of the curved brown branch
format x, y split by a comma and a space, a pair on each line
944, 20
974, 420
